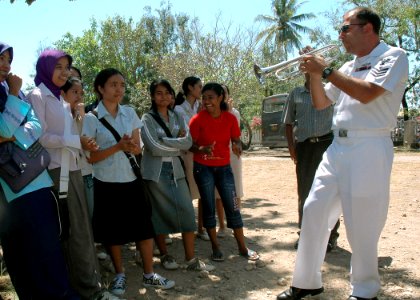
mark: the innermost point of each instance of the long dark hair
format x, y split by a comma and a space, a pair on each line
218, 89
152, 89
102, 78
189, 81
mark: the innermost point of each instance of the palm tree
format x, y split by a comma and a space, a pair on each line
284, 26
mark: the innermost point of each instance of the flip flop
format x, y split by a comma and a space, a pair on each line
251, 255
217, 255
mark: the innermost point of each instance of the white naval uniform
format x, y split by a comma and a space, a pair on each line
354, 175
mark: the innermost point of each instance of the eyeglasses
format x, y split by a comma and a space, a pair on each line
346, 28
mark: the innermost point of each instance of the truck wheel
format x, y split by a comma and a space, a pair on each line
246, 134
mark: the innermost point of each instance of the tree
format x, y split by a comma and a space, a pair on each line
29, 2
163, 45
400, 27
284, 27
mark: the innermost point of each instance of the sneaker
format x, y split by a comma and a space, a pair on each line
332, 244
222, 232
196, 264
168, 240
118, 285
137, 258
105, 295
168, 262
102, 255
158, 281
156, 252
203, 235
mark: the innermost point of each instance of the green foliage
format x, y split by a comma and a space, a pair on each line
29, 2
166, 46
284, 28
160, 44
279, 39
401, 28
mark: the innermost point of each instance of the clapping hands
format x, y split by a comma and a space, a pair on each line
127, 144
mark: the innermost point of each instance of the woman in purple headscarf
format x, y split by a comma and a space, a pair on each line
61, 138
29, 222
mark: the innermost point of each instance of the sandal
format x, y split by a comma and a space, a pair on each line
217, 255
251, 255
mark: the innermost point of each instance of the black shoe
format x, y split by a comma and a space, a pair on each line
360, 298
332, 244
296, 294
296, 244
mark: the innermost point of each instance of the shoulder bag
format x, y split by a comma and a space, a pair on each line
134, 161
19, 167
168, 133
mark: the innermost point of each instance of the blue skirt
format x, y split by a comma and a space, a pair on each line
172, 208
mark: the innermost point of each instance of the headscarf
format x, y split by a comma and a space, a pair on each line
45, 69
3, 94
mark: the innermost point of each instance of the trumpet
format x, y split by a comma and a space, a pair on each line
290, 68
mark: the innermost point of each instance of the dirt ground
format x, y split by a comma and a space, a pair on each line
269, 210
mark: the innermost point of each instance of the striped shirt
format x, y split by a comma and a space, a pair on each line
308, 122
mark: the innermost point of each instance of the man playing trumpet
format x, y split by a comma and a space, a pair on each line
354, 174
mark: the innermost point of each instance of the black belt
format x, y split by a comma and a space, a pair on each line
327, 137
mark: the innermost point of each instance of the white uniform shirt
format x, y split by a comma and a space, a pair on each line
385, 66
114, 168
186, 111
86, 167
51, 113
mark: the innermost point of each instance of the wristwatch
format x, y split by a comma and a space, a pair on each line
327, 72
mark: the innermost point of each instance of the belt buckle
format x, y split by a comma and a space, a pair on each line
342, 132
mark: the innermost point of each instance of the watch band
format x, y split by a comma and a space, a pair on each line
327, 72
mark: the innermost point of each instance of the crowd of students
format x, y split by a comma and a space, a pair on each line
186, 146
50, 253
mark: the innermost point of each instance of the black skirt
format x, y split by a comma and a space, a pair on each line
118, 216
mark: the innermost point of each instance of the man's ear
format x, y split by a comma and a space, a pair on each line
368, 27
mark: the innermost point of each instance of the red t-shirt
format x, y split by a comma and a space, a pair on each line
205, 130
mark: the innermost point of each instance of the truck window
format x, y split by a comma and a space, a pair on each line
273, 128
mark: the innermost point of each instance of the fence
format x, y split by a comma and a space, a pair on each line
256, 137
406, 133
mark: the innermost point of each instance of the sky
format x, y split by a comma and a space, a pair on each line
27, 28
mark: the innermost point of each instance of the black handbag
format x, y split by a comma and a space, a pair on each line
19, 167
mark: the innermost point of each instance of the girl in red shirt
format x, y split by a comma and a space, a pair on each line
212, 130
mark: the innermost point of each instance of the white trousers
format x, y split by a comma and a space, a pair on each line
354, 179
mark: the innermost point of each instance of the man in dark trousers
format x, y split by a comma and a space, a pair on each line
309, 134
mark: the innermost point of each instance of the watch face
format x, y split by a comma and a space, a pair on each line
326, 72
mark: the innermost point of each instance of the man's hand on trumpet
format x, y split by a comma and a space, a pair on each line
312, 64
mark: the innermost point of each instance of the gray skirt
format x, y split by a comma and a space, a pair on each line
172, 208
